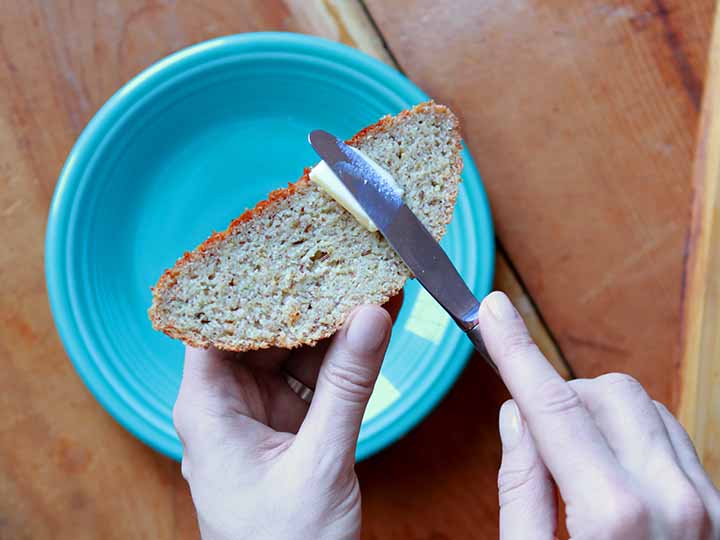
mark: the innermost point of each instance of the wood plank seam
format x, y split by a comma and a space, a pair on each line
376, 29
701, 292
547, 342
689, 79
584, 155
551, 336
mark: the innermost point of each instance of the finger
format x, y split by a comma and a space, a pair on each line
690, 463
286, 410
255, 389
207, 375
571, 446
344, 385
527, 496
208, 403
628, 419
304, 363
636, 433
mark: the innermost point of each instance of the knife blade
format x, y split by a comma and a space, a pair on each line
404, 232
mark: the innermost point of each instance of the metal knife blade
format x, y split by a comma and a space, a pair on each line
404, 232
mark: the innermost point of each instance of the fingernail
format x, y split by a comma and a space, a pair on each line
367, 330
511, 425
500, 306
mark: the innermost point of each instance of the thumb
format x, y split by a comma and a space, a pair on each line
346, 380
527, 496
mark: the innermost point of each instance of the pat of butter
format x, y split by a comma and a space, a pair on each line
328, 181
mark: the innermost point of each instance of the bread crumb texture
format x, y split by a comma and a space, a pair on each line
289, 271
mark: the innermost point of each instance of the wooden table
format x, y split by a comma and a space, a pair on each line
581, 116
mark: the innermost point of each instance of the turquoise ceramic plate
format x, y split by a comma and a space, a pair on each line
182, 149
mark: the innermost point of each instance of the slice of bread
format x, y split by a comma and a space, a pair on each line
288, 272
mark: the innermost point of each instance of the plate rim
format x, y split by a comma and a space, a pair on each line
61, 205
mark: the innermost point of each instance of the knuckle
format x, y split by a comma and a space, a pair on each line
662, 408
713, 507
185, 468
555, 396
686, 510
516, 483
351, 382
625, 515
179, 417
517, 342
620, 382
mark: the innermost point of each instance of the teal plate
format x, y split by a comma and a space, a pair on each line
181, 150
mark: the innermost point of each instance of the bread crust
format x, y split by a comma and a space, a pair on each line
169, 277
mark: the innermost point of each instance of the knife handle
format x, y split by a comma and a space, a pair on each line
477, 341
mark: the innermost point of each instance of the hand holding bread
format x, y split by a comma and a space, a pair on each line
262, 462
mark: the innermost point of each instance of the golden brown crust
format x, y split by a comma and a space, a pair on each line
168, 279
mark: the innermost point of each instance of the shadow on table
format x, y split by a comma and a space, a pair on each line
440, 481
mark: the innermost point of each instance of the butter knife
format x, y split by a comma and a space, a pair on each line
404, 232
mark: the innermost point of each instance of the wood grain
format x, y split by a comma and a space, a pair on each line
507, 280
67, 470
581, 117
440, 482
700, 391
